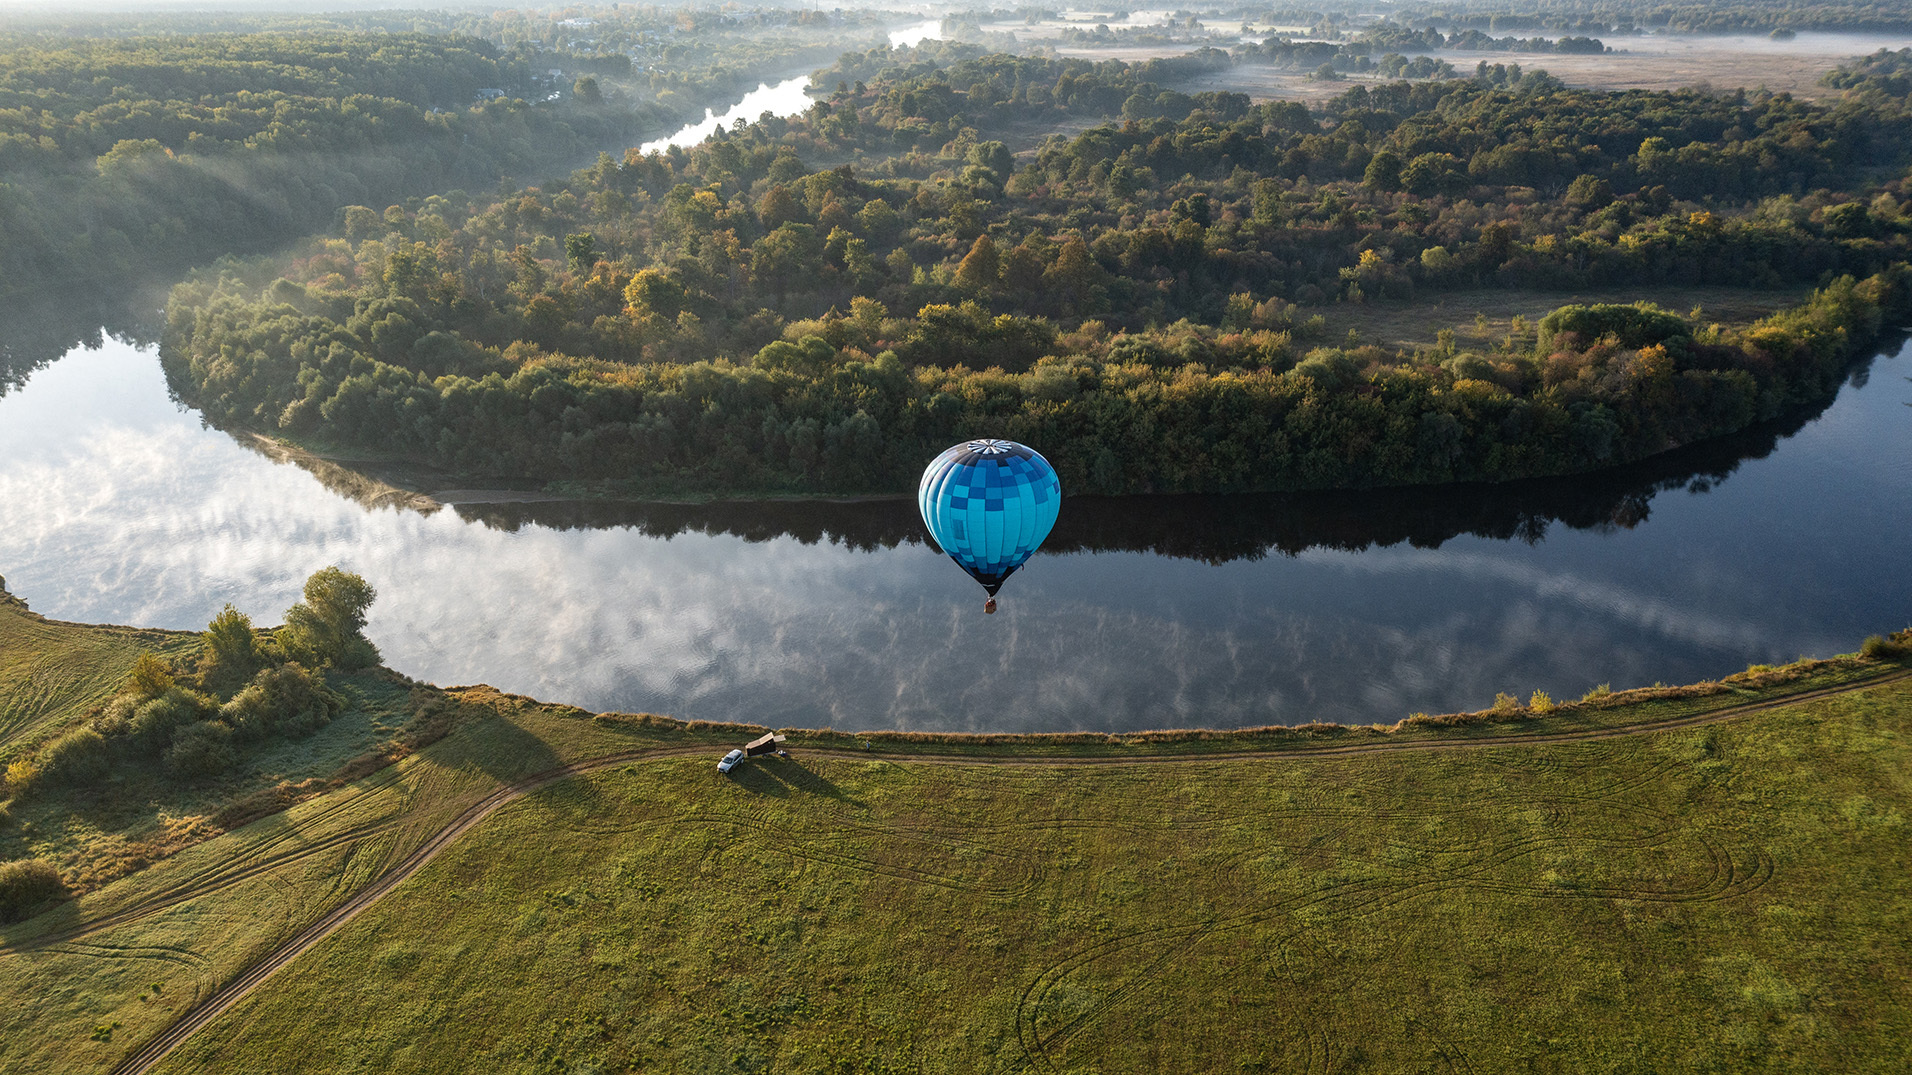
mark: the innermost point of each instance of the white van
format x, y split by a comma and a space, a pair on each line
730, 761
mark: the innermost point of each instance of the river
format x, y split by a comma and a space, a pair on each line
786, 98
123, 507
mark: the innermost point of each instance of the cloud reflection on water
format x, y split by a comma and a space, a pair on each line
122, 508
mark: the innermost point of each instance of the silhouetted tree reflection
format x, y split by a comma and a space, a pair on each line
1215, 529
33, 335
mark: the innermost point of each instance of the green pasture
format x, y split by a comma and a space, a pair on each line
85, 982
1483, 318
1725, 898
52, 673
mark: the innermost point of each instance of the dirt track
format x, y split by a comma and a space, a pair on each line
157, 1049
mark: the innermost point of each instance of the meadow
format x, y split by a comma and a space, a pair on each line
1701, 878
1723, 898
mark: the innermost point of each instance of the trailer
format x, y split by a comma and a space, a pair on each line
768, 743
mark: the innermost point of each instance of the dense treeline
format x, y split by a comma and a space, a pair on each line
682, 58
119, 153
928, 93
1326, 58
1885, 73
1604, 386
1399, 37
730, 317
1191, 212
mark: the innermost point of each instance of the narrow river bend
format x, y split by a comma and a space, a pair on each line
120, 506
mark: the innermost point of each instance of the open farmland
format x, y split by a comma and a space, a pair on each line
1488, 314
1657, 62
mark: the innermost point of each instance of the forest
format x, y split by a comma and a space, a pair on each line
132, 149
810, 304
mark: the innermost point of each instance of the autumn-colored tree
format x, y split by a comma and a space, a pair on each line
778, 207
980, 268
655, 294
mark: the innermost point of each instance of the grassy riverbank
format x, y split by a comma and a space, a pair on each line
1723, 895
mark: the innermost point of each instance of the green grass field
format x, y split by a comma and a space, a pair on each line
1728, 898
1723, 897
1415, 324
52, 673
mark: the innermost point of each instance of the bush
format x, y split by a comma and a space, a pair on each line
22, 775
201, 750
115, 719
155, 722
1881, 648
1329, 368
289, 700
81, 756
150, 677
326, 628
1635, 325
232, 652
25, 885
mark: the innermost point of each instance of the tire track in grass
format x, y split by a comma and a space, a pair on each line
156, 1049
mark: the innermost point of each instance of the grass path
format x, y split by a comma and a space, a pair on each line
1149, 949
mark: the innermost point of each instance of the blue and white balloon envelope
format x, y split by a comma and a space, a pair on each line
989, 504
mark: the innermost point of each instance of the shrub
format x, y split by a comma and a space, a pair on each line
150, 677
326, 628
1636, 325
80, 756
116, 718
232, 652
1881, 648
155, 722
1541, 702
289, 700
1329, 368
22, 775
25, 885
201, 750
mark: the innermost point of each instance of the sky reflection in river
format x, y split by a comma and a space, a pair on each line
122, 508
786, 98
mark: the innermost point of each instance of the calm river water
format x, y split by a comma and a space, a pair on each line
120, 506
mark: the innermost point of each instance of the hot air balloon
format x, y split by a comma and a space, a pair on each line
989, 504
